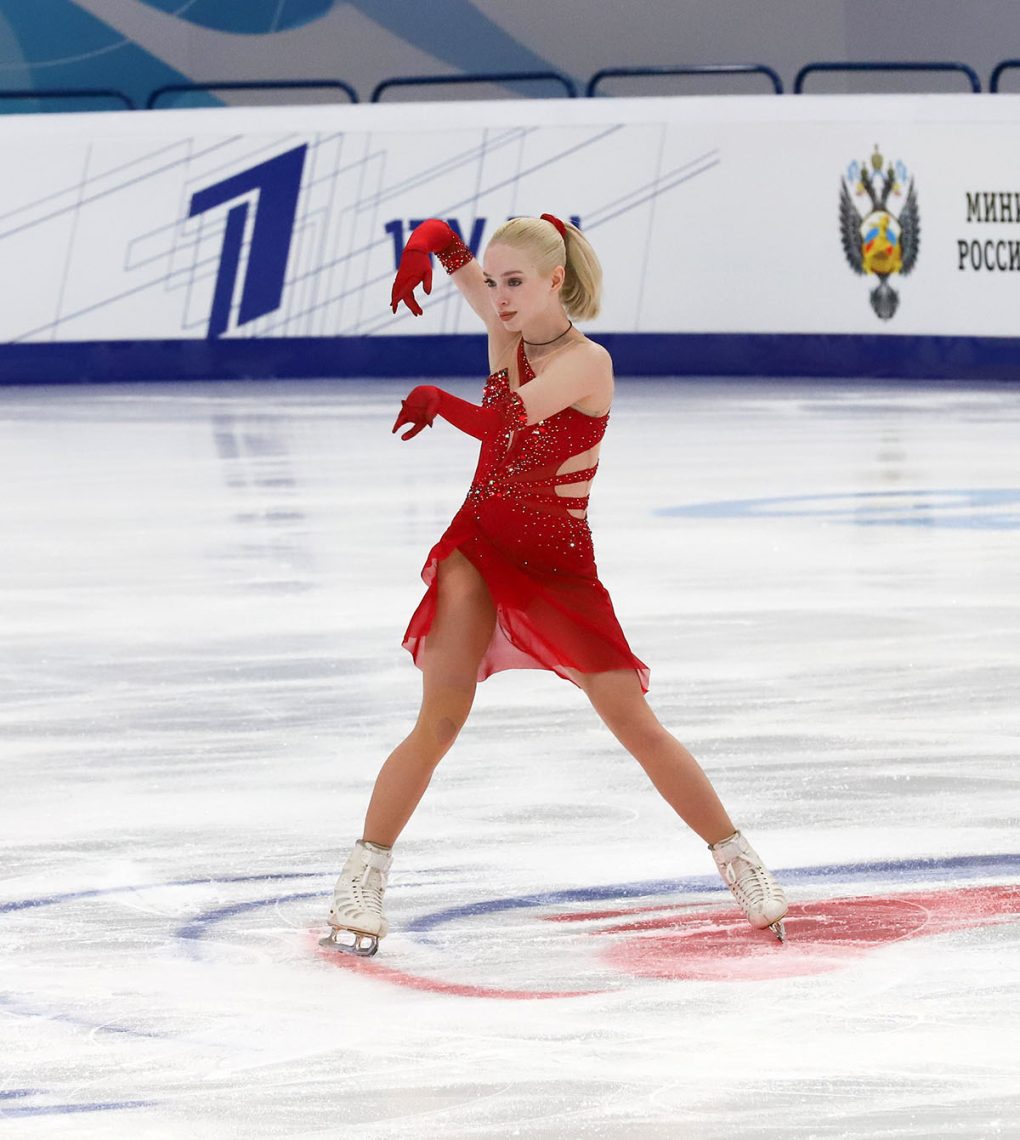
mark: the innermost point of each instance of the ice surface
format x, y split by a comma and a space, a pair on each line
203, 594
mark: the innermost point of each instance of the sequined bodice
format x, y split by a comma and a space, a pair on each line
524, 464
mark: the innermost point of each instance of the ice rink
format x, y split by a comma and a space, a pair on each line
204, 589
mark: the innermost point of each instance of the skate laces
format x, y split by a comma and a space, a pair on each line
751, 880
367, 894
361, 887
753, 884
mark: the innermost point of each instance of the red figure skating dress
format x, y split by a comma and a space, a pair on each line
552, 612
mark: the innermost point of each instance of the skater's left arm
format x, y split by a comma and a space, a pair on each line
586, 371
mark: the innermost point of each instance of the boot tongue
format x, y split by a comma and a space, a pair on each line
373, 878
378, 858
730, 849
376, 872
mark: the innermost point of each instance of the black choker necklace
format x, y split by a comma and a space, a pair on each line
542, 343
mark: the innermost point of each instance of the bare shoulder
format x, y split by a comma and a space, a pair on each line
585, 369
599, 362
584, 357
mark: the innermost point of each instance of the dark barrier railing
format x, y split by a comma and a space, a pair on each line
488, 77
251, 85
71, 93
1006, 65
880, 65
161, 94
703, 69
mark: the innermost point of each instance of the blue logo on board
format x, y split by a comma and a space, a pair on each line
276, 184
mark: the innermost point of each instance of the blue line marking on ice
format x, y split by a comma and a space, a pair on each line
958, 867
985, 508
955, 867
961, 866
19, 1008
98, 892
197, 927
14, 905
67, 1109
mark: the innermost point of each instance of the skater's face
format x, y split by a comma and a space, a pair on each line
521, 295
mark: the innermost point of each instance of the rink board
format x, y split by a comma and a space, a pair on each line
735, 233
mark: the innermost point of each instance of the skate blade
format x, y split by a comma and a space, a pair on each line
778, 929
354, 942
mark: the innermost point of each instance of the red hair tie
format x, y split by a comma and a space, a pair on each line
561, 228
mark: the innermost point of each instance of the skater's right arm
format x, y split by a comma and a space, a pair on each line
435, 236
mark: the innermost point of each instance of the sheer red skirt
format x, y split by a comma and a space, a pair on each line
552, 612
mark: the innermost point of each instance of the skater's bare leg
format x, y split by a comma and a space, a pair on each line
616, 696
460, 632
618, 699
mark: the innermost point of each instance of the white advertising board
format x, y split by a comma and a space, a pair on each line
736, 216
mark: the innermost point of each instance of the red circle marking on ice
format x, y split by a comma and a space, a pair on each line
436, 985
684, 941
821, 936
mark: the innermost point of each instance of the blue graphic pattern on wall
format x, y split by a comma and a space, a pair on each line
280, 236
253, 17
478, 45
63, 44
55, 44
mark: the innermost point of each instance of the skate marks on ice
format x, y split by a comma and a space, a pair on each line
202, 671
689, 939
574, 942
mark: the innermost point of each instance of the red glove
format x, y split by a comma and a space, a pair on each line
504, 415
432, 236
419, 409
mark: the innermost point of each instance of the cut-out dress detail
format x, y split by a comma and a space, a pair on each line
536, 558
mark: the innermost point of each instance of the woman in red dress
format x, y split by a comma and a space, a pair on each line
512, 583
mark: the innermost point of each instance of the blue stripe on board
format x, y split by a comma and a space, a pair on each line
886, 357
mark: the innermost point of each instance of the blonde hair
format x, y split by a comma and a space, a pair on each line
581, 293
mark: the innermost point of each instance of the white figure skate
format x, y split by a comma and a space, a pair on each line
760, 897
356, 917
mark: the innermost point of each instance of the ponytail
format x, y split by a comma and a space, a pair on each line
582, 287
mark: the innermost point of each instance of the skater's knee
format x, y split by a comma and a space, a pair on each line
446, 731
436, 734
447, 697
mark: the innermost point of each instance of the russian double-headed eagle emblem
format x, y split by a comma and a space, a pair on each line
879, 241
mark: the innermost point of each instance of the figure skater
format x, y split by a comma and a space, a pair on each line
512, 583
